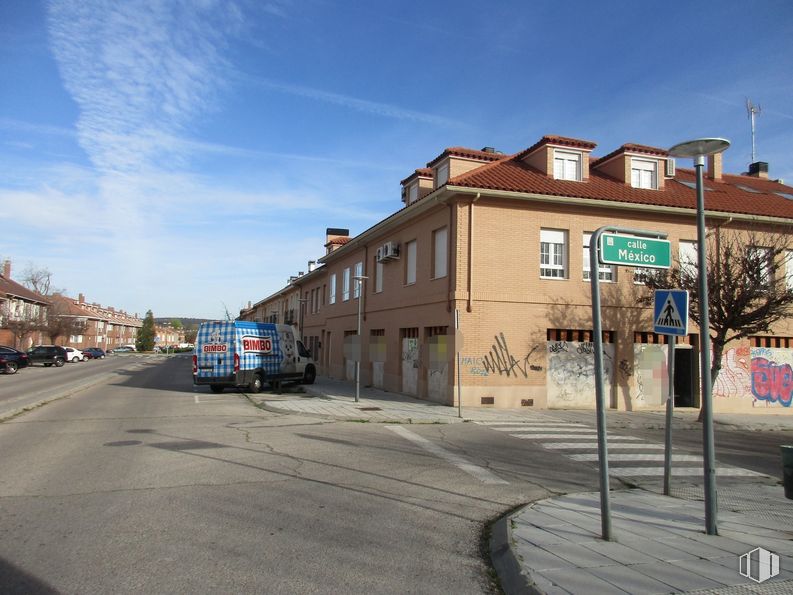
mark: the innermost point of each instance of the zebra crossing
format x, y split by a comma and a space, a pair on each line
629, 456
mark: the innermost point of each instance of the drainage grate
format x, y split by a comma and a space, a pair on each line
370, 408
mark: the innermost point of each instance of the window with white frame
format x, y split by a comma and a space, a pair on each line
553, 254
763, 257
413, 193
332, 291
605, 271
442, 175
378, 277
440, 239
688, 257
644, 173
345, 285
566, 165
356, 290
410, 262
789, 268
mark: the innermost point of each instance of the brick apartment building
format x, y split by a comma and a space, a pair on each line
501, 240
21, 310
103, 327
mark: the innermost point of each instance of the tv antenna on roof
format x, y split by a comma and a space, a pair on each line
751, 111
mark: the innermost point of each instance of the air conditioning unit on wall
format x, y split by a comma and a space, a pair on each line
388, 251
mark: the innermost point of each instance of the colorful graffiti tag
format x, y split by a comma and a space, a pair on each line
771, 381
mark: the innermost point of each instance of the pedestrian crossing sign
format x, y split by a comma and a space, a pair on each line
671, 312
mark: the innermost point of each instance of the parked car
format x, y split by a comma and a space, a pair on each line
121, 349
12, 359
49, 355
74, 355
94, 352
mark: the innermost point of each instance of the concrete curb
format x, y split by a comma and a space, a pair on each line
511, 577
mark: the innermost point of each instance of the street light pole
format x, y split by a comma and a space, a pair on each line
360, 280
698, 149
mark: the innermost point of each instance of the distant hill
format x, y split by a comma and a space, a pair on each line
186, 322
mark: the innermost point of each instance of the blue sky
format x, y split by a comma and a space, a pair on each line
185, 156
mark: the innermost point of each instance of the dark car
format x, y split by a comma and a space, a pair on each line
12, 359
94, 352
49, 355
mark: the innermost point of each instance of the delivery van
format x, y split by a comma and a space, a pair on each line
243, 354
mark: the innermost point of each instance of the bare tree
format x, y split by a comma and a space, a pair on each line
748, 288
39, 280
61, 322
22, 324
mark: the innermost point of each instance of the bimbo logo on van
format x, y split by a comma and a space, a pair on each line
257, 344
215, 348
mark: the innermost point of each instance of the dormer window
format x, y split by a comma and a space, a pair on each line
644, 173
442, 175
413, 193
566, 165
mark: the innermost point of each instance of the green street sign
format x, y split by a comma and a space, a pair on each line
635, 251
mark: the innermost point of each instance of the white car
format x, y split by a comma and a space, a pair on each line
74, 355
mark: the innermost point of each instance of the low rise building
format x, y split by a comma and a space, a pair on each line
497, 245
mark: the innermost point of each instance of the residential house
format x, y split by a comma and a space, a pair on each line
23, 312
496, 245
93, 325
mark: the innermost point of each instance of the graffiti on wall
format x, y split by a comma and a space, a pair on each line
734, 379
571, 372
772, 375
475, 365
500, 360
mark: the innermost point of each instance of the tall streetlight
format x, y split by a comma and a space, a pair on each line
359, 279
698, 149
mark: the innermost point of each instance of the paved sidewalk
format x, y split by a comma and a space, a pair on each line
336, 399
555, 545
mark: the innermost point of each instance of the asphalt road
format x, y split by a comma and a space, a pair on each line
142, 483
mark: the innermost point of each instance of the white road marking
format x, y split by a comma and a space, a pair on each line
594, 445
568, 437
637, 456
529, 424
461, 463
572, 430
656, 471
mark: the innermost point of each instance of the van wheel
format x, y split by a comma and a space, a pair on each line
256, 384
309, 375
216, 388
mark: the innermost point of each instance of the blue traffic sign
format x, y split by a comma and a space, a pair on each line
670, 312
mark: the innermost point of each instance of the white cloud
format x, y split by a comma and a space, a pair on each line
362, 105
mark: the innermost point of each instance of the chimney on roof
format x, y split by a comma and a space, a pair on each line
7, 269
335, 237
312, 265
489, 150
715, 166
81, 298
758, 169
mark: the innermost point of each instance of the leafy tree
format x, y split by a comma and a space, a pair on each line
176, 324
145, 340
748, 289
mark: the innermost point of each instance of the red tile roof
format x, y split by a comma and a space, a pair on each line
513, 175
564, 141
422, 172
468, 154
632, 148
12, 288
